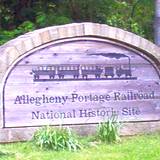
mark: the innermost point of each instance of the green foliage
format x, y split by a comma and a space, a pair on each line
49, 19
56, 139
41, 19
26, 26
129, 24
108, 131
128, 16
18, 17
2, 154
5, 155
6, 35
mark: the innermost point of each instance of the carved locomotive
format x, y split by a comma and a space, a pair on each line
77, 71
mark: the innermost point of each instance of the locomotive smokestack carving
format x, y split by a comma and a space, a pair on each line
114, 55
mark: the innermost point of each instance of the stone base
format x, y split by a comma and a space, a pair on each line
127, 129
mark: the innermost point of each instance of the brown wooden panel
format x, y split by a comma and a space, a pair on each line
81, 82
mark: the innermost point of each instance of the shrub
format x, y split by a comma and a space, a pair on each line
108, 131
56, 139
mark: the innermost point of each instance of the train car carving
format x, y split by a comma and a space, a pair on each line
93, 70
122, 71
49, 71
109, 72
68, 70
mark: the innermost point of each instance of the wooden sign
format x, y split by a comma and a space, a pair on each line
82, 81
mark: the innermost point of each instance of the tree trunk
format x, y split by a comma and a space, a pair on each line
157, 23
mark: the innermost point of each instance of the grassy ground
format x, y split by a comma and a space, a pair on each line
146, 147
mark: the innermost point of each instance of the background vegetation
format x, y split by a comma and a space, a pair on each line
20, 16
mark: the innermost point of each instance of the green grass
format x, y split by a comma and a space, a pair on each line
146, 147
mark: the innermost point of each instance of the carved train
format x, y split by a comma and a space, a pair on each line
81, 72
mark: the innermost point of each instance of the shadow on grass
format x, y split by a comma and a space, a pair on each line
5, 154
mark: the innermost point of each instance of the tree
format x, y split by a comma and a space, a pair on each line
20, 16
157, 23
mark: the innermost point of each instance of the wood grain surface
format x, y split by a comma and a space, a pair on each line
81, 82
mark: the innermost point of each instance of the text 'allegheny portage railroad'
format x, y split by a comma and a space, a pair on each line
115, 96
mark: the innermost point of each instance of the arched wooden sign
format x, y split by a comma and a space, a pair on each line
81, 78
81, 81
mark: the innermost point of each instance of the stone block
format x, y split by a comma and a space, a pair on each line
4, 135
28, 43
3, 63
71, 30
104, 31
20, 134
139, 128
156, 51
128, 37
112, 33
150, 48
53, 33
36, 39
1, 113
136, 41
19, 45
120, 34
97, 29
85, 130
62, 32
79, 31
45, 36
88, 29
10, 55
143, 43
